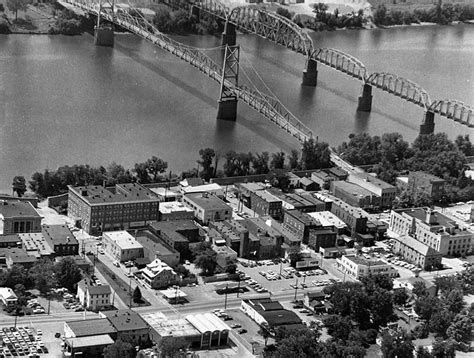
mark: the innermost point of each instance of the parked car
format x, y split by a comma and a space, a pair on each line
242, 331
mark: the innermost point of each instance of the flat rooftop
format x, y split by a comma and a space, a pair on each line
36, 242
267, 196
91, 327
421, 214
352, 189
123, 239
303, 217
173, 206
125, 320
207, 201
17, 209
59, 234
121, 193
368, 178
363, 261
152, 243
178, 327
326, 218
82, 342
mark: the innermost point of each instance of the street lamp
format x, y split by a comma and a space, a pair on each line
296, 289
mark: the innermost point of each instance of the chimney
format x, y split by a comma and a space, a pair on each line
84, 192
430, 216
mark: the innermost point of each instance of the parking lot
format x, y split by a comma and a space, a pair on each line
21, 341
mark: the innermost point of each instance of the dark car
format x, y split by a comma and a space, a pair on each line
242, 331
57, 335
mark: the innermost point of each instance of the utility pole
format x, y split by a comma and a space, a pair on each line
296, 289
226, 292
130, 286
238, 288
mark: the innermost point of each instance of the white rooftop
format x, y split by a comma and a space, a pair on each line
155, 268
173, 206
201, 188
207, 322
326, 218
123, 239
177, 327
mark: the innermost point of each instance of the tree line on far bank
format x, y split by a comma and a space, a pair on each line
313, 155
392, 156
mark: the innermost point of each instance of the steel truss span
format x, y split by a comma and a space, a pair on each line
270, 107
455, 110
341, 61
400, 87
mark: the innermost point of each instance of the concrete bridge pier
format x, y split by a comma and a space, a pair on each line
195, 12
427, 126
229, 36
310, 74
103, 36
365, 101
227, 109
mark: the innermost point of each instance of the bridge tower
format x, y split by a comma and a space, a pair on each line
365, 100
310, 74
229, 36
427, 126
104, 33
227, 104
195, 12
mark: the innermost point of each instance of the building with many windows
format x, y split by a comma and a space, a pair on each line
207, 207
18, 217
421, 182
357, 266
125, 206
385, 191
432, 229
122, 246
61, 239
130, 326
93, 297
416, 252
159, 275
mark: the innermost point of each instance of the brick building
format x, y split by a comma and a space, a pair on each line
207, 207
125, 206
18, 217
61, 239
421, 182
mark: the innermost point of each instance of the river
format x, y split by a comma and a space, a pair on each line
66, 101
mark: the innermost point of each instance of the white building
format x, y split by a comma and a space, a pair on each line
93, 297
122, 246
158, 274
207, 207
174, 210
7, 296
357, 267
385, 191
326, 218
432, 229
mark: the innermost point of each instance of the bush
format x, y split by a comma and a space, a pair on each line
4, 27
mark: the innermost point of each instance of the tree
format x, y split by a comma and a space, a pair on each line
156, 166
119, 349
231, 266
381, 307
207, 158
116, 174
19, 185
42, 274
398, 344
422, 352
443, 349
419, 289
17, 275
170, 347
264, 331
454, 301
400, 296
182, 271
464, 145
294, 159
320, 10
301, 343
260, 163
15, 5
425, 306
141, 172
137, 295
315, 155
460, 329
440, 321
206, 260
278, 160
68, 274
338, 327
279, 178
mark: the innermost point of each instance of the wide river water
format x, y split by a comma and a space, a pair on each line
66, 101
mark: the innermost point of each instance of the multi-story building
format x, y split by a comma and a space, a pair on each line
300, 223
36, 245
207, 207
432, 229
16, 256
295, 201
330, 220
245, 190
357, 266
125, 206
354, 195
174, 210
61, 239
130, 326
416, 252
93, 297
235, 235
319, 237
385, 191
10, 241
156, 248
265, 242
421, 182
122, 246
18, 217
353, 217
159, 275
265, 203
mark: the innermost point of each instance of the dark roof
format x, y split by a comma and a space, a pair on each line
280, 317
91, 327
125, 320
59, 235
315, 294
18, 256
130, 192
207, 201
15, 209
14, 238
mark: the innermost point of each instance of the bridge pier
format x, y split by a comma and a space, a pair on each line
229, 36
195, 12
103, 36
310, 74
365, 101
227, 109
427, 126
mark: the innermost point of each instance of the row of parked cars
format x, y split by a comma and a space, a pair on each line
21, 341
35, 306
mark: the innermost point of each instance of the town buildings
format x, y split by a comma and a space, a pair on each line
174, 210
357, 266
432, 229
355, 195
207, 207
7, 296
122, 246
18, 217
156, 248
129, 326
126, 206
386, 192
36, 245
416, 252
61, 239
158, 274
93, 297
421, 182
